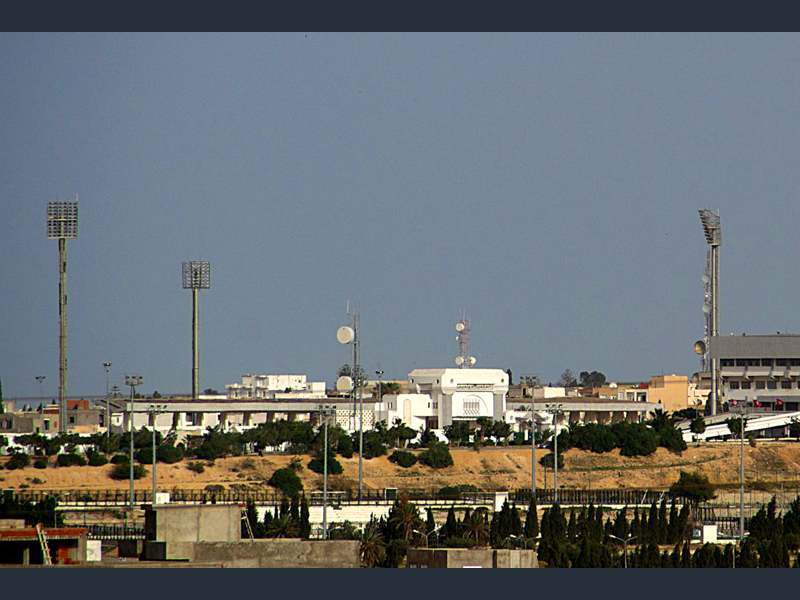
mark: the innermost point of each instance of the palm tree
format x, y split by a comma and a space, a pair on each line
405, 516
373, 546
282, 527
476, 527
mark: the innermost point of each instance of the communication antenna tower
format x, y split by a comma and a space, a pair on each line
463, 360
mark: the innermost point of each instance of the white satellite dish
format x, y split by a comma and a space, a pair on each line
459, 360
700, 347
705, 278
706, 308
471, 360
344, 383
345, 335
459, 327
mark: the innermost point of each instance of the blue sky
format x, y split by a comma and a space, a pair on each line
547, 184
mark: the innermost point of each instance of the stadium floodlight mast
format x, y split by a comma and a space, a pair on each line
62, 225
556, 410
107, 367
132, 381
350, 335
196, 277
712, 230
40, 379
154, 410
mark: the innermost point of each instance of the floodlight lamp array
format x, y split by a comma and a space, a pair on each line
196, 275
711, 227
62, 220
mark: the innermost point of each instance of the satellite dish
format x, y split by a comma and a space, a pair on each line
706, 308
700, 347
344, 383
459, 327
471, 360
459, 360
705, 278
345, 335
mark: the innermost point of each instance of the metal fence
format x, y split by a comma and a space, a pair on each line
597, 497
115, 532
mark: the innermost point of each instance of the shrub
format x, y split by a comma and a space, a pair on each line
454, 491
548, 460
317, 464
296, 464
196, 467
119, 459
19, 460
695, 487
437, 456
344, 446
40, 464
402, 458
36, 481
70, 460
287, 481
97, 460
144, 455
169, 454
122, 471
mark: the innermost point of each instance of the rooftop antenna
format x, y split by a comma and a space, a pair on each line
463, 360
62, 224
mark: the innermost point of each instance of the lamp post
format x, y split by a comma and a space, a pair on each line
155, 410
428, 534
40, 379
625, 545
107, 367
742, 410
379, 373
325, 410
556, 410
132, 381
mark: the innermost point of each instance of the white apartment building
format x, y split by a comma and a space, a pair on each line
275, 387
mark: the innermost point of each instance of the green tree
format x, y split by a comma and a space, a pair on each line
457, 432
360, 377
437, 456
698, 424
317, 464
735, 426
282, 527
593, 380
287, 481
305, 520
476, 527
695, 487
404, 517
567, 379
532, 521
373, 545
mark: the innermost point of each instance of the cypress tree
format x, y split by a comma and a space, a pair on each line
430, 525
305, 519
675, 557
636, 526
532, 521
663, 524
672, 527
572, 527
683, 522
450, 529
597, 526
621, 528
652, 523
644, 530
294, 511
284, 509
516, 521
686, 556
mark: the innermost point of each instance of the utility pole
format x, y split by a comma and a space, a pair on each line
155, 410
556, 410
107, 367
132, 381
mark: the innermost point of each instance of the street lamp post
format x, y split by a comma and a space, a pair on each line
428, 534
742, 410
325, 411
155, 410
132, 381
107, 367
40, 379
555, 410
625, 545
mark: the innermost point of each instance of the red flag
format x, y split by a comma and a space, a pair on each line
756, 403
778, 402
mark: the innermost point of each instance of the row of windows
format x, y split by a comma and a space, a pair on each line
759, 362
761, 384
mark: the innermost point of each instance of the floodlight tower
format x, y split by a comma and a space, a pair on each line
196, 277
62, 224
713, 231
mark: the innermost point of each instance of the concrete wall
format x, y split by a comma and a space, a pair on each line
269, 554
459, 558
206, 523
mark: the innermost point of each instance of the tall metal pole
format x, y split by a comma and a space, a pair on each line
533, 447
741, 475
325, 482
714, 326
131, 429
356, 347
155, 413
555, 458
107, 367
195, 349
62, 335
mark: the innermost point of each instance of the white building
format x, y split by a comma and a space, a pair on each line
275, 387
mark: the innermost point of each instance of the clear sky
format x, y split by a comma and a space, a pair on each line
547, 184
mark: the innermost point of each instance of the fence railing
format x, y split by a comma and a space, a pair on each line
115, 532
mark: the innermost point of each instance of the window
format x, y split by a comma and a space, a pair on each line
72, 420
766, 362
46, 426
753, 362
760, 385
786, 384
741, 362
745, 385
727, 362
794, 362
782, 362
772, 385
734, 385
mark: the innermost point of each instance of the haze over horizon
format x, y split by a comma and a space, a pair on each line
546, 184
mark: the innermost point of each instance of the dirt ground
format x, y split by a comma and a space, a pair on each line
490, 469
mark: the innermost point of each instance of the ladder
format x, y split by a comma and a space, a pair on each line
247, 522
43, 543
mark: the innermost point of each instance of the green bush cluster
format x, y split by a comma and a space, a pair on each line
403, 458
287, 481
